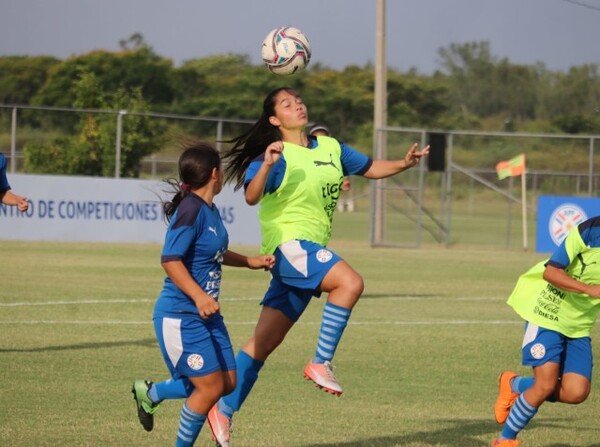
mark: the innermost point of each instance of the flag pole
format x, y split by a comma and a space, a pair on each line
524, 208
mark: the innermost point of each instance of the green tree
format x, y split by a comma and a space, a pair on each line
22, 76
133, 67
571, 99
92, 151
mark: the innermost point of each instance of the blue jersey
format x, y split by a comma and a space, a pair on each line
353, 163
4, 186
197, 237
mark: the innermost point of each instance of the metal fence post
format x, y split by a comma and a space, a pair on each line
591, 169
219, 135
118, 142
13, 141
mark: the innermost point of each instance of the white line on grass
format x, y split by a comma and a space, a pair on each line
257, 299
241, 323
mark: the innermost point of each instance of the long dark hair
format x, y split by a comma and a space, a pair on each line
252, 143
196, 164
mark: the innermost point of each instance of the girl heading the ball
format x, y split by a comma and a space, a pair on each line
296, 179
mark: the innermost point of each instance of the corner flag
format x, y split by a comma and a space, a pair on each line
510, 168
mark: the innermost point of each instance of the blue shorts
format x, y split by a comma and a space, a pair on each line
193, 347
300, 267
574, 355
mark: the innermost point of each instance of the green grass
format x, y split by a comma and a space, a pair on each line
419, 361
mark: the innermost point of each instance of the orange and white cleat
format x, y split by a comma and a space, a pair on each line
498, 442
506, 397
323, 377
220, 427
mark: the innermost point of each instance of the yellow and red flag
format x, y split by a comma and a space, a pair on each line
510, 168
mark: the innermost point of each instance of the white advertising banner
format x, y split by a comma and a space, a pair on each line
95, 209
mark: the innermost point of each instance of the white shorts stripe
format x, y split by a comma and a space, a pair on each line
530, 334
172, 338
295, 255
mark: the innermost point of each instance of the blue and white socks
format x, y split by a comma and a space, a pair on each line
335, 319
190, 424
520, 415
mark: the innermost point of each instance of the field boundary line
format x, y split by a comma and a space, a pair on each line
243, 323
226, 300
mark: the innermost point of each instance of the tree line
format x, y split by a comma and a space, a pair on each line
472, 89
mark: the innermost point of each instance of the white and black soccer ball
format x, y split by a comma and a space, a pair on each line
285, 50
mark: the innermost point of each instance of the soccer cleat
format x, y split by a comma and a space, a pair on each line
220, 426
506, 397
145, 407
323, 377
498, 442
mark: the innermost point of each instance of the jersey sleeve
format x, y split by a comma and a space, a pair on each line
275, 176
182, 233
354, 162
569, 248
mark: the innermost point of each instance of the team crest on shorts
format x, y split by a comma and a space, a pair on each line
324, 255
195, 361
538, 351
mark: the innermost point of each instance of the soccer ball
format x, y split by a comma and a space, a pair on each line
285, 50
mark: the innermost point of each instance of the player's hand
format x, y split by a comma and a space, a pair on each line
23, 204
207, 306
273, 153
413, 156
265, 262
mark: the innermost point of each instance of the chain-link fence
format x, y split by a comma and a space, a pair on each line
22, 125
453, 199
456, 197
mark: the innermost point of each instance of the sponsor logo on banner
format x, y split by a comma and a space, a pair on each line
563, 220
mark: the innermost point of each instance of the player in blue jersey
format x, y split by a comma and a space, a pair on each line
297, 179
560, 301
187, 320
7, 197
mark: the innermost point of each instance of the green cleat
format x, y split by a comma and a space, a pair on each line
145, 407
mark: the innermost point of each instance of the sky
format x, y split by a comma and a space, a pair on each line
558, 33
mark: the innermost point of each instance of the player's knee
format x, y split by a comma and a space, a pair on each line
355, 285
545, 388
576, 396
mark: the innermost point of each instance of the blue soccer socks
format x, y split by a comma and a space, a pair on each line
190, 424
247, 374
520, 415
335, 319
170, 389
521, 384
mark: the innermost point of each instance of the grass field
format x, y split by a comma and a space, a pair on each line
419, 360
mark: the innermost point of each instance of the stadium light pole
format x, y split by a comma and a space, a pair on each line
379, 120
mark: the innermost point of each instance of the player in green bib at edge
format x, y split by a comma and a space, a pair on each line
297, 180
560, 301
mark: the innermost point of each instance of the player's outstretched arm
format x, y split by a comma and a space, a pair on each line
9, 198
233, 259
387, 168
